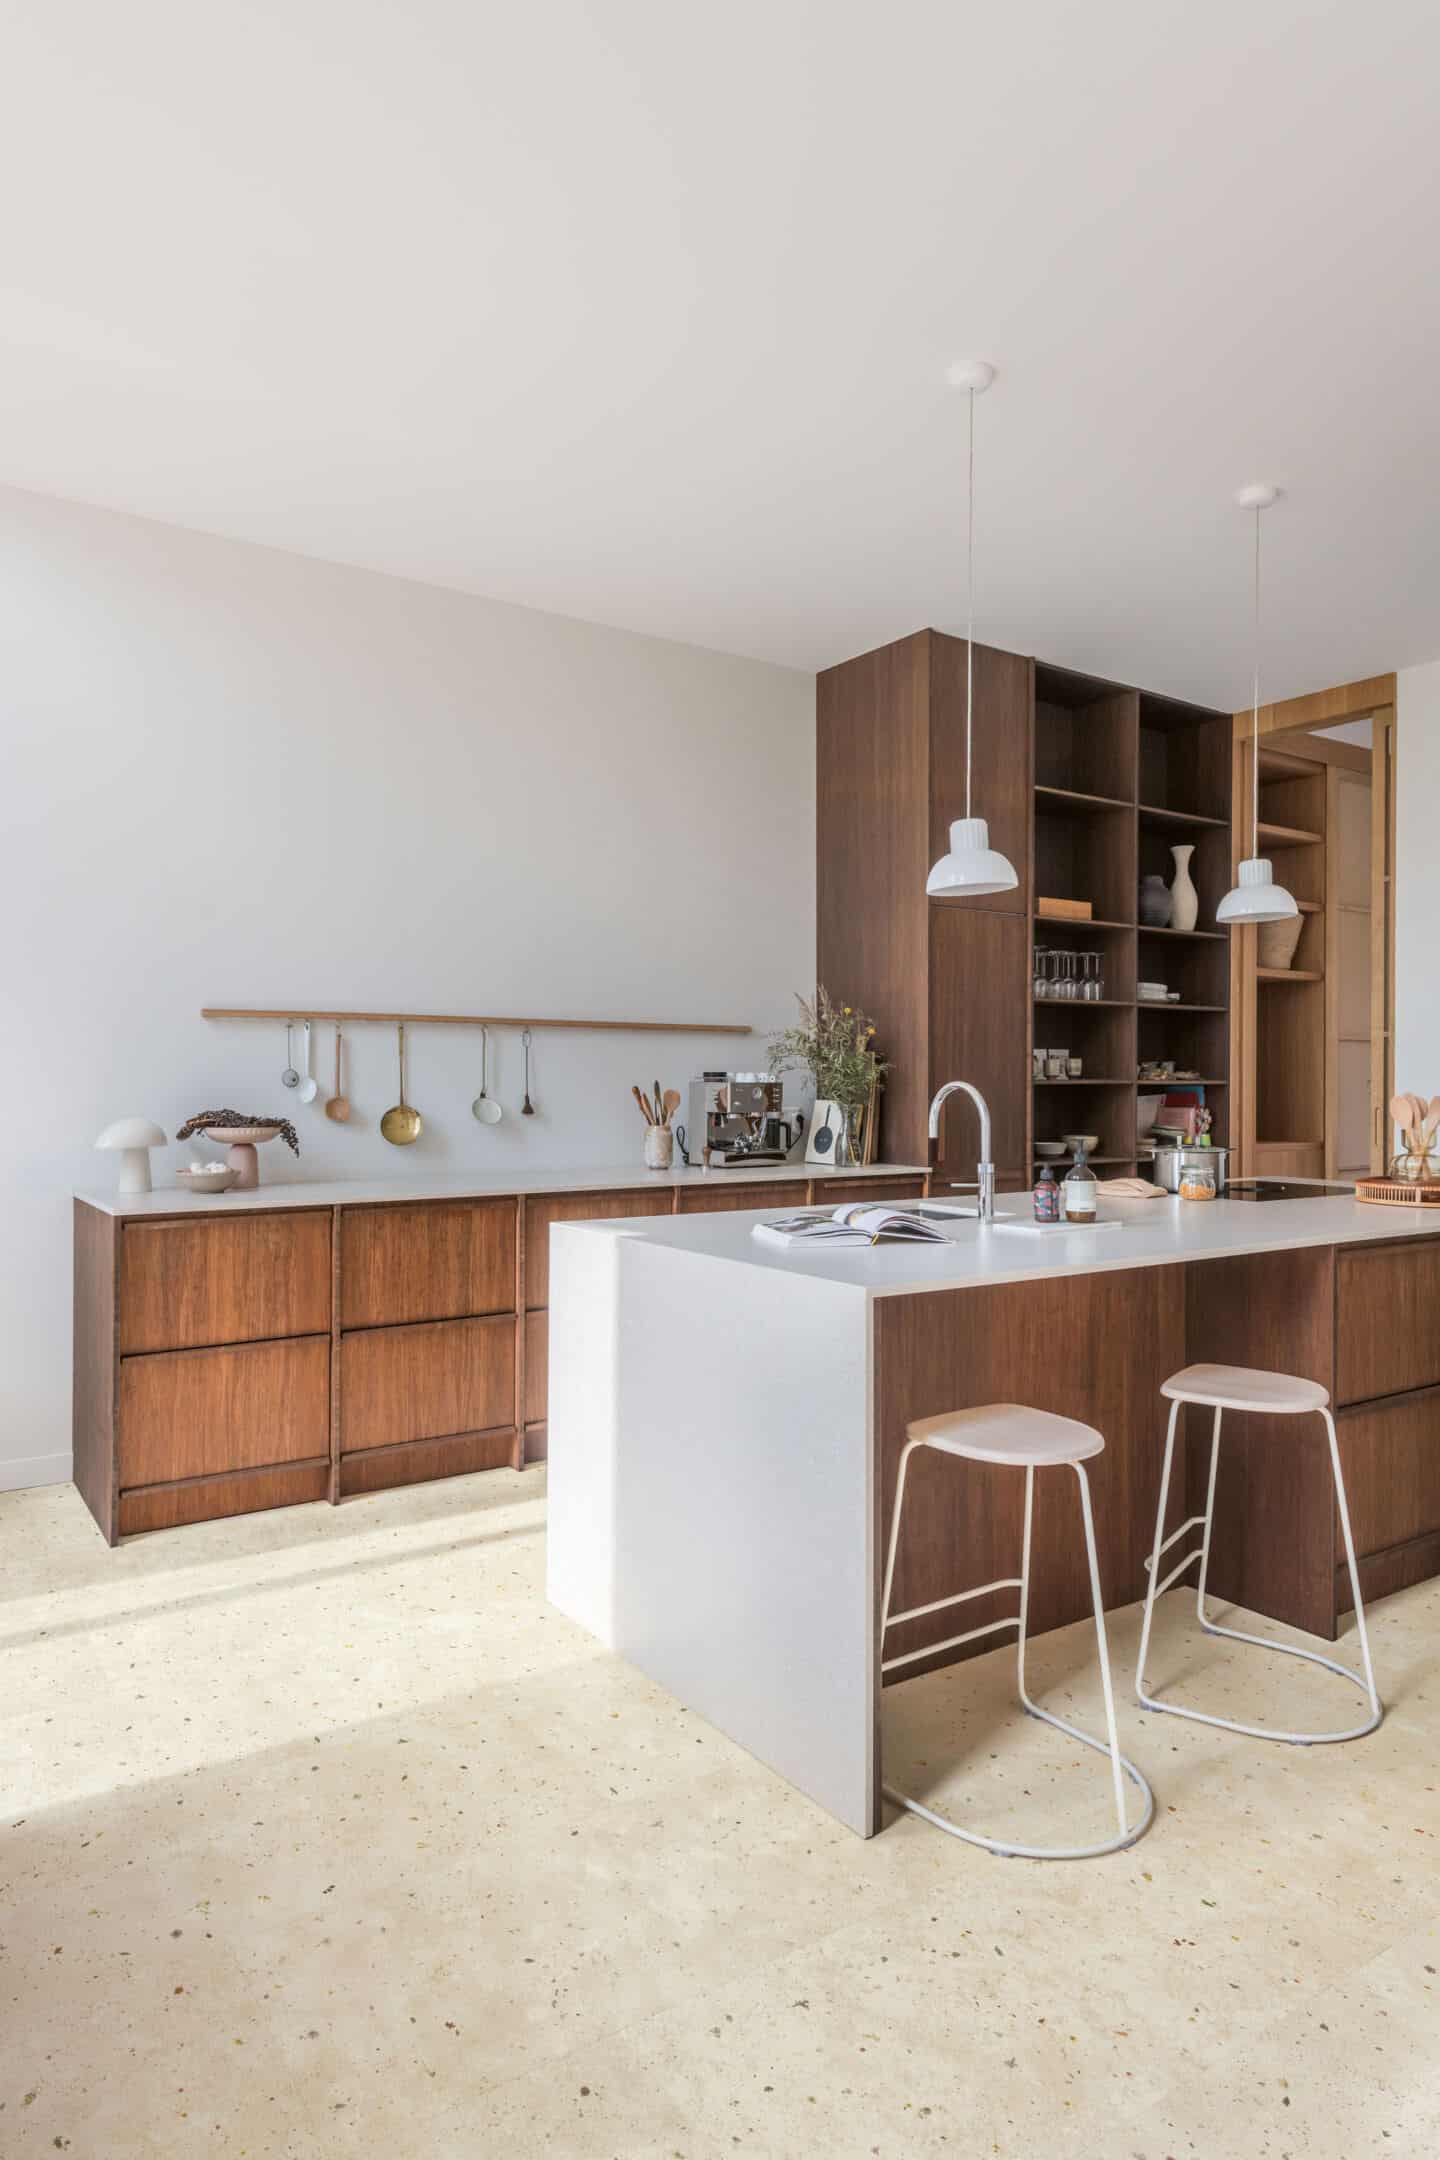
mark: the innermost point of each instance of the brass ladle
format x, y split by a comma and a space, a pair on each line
400, 1124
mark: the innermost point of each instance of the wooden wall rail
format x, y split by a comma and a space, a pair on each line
495, 1020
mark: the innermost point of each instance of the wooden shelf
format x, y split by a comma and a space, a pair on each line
1288, 975
1174, 1005
1085, 1004
1153, 930
1073, 922
1291, 836
1053, 1162
1152, 813
1083, 1082
1178, 1080
1059, 798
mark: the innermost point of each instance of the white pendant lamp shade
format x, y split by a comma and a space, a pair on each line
972, 866
1257, 898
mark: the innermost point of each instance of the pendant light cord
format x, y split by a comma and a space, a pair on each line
970, 602
1255, 701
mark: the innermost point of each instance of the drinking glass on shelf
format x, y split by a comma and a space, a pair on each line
1042, 976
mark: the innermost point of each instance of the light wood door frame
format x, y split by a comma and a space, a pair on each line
1373, 698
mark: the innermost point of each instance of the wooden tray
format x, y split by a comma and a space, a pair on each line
1398, 1192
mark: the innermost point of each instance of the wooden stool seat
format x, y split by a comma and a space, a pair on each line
1246, 1387
1008, 1432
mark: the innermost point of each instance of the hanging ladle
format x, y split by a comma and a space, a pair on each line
400, 1124
289, 1078
309, 1085
338, 1107
485, 1106
527, 1108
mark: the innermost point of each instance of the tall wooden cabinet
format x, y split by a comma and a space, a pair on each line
1087, 786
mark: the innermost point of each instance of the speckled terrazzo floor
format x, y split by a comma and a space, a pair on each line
320, 1835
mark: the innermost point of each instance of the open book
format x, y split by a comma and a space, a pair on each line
859, 1222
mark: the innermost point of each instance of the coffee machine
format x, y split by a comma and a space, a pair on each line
738, 1117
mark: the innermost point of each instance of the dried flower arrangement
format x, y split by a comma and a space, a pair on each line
219, 1119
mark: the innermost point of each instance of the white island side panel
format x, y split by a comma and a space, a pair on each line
711, 1498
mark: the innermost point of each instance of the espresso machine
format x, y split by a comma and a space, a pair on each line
738, 1117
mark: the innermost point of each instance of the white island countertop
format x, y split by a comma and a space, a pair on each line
1152, 1233
173, 1199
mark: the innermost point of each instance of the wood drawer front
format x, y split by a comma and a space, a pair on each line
436, 1261
711, 1199
426, 1382
381, 1469
576, 1207
186, 1284
883, 1191
537, 1366
165, 1507
191, 1413
1386, 1336
1391, 1458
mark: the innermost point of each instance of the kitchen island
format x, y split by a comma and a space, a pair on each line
726, 1419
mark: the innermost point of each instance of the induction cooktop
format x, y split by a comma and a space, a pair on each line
1285, 1189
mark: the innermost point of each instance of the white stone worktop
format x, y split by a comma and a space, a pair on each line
1153, 1233
467, 1185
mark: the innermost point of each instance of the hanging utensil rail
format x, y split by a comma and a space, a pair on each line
494, 1020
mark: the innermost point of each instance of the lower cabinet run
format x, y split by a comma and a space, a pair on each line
230, 1363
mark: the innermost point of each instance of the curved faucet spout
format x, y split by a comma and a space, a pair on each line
984, 1168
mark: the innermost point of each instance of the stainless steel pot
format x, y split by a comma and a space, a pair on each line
1171, 1161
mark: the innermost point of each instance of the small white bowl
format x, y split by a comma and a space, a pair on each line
1073, 1141
207, 1181
1049, 1150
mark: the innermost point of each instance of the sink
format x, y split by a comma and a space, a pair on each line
951, 1210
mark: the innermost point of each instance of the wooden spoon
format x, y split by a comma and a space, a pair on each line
338, 1106
670, 1103
645, 1110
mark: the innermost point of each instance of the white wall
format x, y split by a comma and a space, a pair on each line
1417, 878
233, 776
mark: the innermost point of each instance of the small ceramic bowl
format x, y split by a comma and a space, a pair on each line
1088, 1140
207, 1181
1049, 1150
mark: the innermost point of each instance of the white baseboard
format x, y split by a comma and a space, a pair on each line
26, 1470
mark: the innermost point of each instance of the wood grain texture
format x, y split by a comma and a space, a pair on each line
247, 1492
872, 857
1273, 1548
437, 1260
194, 1413
542, 1211
1396, 1568
1095, 1348
250, 1278
885, 1192
537, 1445
416, 1462
93, 1401
425, 1382
1387, 1334
1390, 1452
979, 1031
719, 1198
537, 1367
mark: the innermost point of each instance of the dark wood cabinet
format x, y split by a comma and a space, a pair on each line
251, 1279
192, 1413
438, 1260
1386, 1335
718, 1198
428, 1382
541, 1210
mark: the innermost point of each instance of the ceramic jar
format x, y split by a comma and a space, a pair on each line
1154, 903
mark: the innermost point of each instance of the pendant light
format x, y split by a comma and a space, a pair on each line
1257, 898
972, 866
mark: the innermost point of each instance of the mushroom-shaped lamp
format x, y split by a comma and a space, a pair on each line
134, 1136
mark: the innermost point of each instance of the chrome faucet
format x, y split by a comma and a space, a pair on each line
985, 1168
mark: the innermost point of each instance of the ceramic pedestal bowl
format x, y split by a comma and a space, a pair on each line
241, 1142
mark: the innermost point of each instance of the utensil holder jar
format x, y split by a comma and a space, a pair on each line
659, 1147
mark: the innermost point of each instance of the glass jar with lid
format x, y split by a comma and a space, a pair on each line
1198, 1179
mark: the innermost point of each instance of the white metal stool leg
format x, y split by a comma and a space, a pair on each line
1120, 1765
1205, 1523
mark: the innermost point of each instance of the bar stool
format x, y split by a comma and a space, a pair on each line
1240, 1387
1010, 1434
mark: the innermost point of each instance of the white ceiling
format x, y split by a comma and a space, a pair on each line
641, 311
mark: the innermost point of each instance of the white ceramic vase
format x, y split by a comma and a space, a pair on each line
1184, 900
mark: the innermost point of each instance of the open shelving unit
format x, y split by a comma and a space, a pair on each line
1121, 777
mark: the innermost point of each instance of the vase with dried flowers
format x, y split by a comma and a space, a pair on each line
835, 1044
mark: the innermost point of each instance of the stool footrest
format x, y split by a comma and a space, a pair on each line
1191, 1522
918, 1612
1178, 1570
952, 1642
